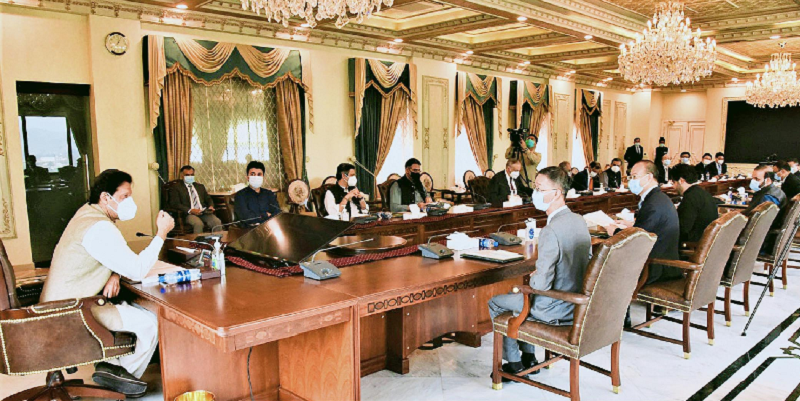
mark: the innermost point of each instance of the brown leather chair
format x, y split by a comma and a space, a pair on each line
743, 258
384, 190
698, 288
479, 188
779, 254
600, 307
469, 175
29, 348
318, 198
427, 182
489, 173
329, 180
297, 194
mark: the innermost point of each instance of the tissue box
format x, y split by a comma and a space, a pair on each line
462, 209
513, 202
463, 244
414, 216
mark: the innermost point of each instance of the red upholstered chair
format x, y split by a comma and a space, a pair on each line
52, 337
600, 307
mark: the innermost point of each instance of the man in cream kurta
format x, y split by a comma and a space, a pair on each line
88, 260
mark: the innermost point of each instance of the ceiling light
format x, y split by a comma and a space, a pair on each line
315, 10
398, 40
527, 62
305, 25
683, 90
734, 79
572, 72
522, 19
778, 85
588, 37
470, 52
773, 37
182, 6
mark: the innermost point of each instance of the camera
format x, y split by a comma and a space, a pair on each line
517, 135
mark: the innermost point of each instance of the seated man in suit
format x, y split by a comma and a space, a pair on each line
664, 169
193, 202
344, 196
507, 183
565, 249
612, 178
408, 190
790, 182
698, 209
588, 179
634, 154
89, 259
686, 158
703, 165
765, 190
795, 167
567, 167
657, 215
255, 205
718, 168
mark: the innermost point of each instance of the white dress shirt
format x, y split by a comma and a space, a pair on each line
512, 186
105, 243
333, 208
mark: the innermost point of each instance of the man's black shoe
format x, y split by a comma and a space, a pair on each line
511, 368
118, 379
529, 361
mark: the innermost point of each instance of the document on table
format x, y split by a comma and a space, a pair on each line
598, 218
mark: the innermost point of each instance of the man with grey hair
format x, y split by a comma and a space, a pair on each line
565, 248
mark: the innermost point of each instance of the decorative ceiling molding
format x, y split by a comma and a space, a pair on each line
575, 54
452, 26
546, 39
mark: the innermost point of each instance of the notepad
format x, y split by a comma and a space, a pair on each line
598, 218
490, 255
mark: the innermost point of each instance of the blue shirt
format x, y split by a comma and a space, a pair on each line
255, 205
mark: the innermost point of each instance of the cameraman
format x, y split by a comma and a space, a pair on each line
524, 151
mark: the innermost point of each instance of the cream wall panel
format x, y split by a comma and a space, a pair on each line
435, 133
620, 129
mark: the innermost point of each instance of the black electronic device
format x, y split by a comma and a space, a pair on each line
505, 238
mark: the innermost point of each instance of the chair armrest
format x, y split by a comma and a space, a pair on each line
46, 309
515, 322
737, 248
775, 231
571, 297
675, 263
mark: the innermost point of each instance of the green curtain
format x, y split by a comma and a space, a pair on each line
367, 141
488, 120
160, 134
527, 112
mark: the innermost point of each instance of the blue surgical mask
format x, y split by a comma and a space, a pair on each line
635, 186
777, 178
538, 201
189, 179
755, 185
530, 143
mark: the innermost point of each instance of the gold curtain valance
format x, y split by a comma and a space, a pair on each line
387, 76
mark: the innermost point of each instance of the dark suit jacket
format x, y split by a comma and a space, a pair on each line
180, 200
701, 169
697, 210
580, 182
714, 171
657, 215
797, 174
612, 179
632, 156
769, 194
791, 186
499, 189
660, 152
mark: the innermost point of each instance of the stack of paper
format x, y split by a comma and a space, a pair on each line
626, 214
598, 218
459, 241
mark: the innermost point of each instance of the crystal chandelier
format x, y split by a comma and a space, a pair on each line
315, 10
668, 52
778, 86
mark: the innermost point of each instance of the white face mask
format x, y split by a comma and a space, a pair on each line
515, 174
615, 169
126, 210
352, 181
685, 160
706, 162
255, 181
538, 201
593, 174
794, 169
667, 162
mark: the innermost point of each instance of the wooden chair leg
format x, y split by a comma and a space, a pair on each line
771, 282
727, 306
710, 323
574, 386
29, 394
547, 356
615, 379
783, 273
497, 361
746, 298
687, 347
648, 313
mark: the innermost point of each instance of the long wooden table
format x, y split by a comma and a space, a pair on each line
309, 340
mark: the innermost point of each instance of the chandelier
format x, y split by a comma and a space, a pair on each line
315, 10
778, 86
668, 52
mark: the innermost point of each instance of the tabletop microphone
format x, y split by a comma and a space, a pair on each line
322, 269
480, 206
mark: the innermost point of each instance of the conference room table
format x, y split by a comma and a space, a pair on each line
298, 339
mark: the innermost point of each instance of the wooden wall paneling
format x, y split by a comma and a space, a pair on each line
436, 141
562, 128
620, 128
321, 364
223, 373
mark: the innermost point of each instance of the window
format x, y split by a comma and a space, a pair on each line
234, 124
465, 159
50, 140
402, 149
578, 156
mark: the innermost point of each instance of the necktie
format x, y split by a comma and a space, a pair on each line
195, 199
513, 188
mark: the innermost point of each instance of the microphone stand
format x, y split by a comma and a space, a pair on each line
235, 222
323, 270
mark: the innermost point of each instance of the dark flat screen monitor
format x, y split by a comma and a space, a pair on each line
288, 238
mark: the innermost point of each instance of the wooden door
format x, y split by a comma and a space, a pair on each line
436, 139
